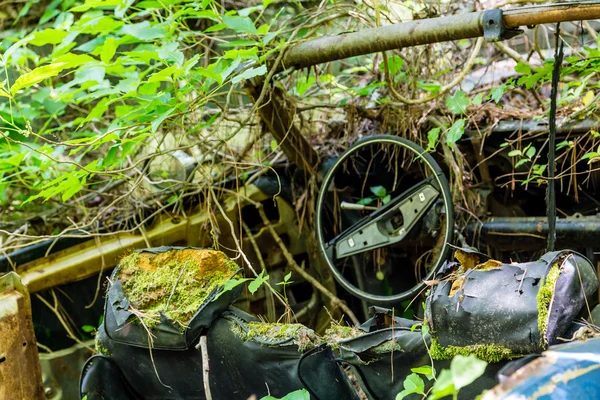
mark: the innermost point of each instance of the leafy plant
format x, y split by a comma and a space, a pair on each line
379, 192
463, 371
301, 394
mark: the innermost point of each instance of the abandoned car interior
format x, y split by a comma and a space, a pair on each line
299, 200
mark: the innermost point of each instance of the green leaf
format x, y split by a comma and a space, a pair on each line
303, 84
521, 162
257, 282
386, 199
477, 100
414, 383
266, 3
240, 24
497, 93
273, 145
301, 394
251, 53
365, 202
432, 137
48, 36
230, 284
72, 186
250, 73
465, 369
164, 75
37, 75
89, 4
588, 98
108, 50
443, 386
143, 31
158, 121
539, 169
563, 144
457, 103
88, 328
424, 330
431, 87
514, 153
455, 132
287, 277
591, 154
426, 370
530, 152
122, 8
395, 65
75, 60
522, 68
378, 191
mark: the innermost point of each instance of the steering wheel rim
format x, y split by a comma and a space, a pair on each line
441, 183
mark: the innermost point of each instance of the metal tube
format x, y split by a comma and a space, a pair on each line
427, 31
518, 231
389, 37
551, 13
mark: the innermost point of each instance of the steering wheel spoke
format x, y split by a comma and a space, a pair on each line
389, 224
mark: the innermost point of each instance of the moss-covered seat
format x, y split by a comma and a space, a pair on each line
501, 311
372, 350
162, 300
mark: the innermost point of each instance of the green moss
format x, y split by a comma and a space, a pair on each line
100, 347
387, 347
544, 298
486, 352
186, 276
302, 336
337, 333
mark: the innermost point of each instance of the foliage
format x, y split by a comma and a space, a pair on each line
99, 90
301, 394
463, 371
89, 94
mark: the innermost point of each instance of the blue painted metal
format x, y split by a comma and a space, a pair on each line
568, 371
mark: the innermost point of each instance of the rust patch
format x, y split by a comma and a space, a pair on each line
20, 375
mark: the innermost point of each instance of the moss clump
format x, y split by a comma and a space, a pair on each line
337, 333
387, 347
544, 298
302, 337
100, 349
486, 352
175, 282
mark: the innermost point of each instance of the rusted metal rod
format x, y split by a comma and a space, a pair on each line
551, 13
427, 31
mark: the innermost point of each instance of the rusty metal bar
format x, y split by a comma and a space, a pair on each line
278, 115
427, 31
517, 232
389, 37
20, 373
551, 13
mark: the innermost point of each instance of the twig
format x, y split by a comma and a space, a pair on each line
175, 287
468, 66
335, 301
270, 298
205, 367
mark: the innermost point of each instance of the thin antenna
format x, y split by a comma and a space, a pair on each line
551, 192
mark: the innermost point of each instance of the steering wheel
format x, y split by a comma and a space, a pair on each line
384, 219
